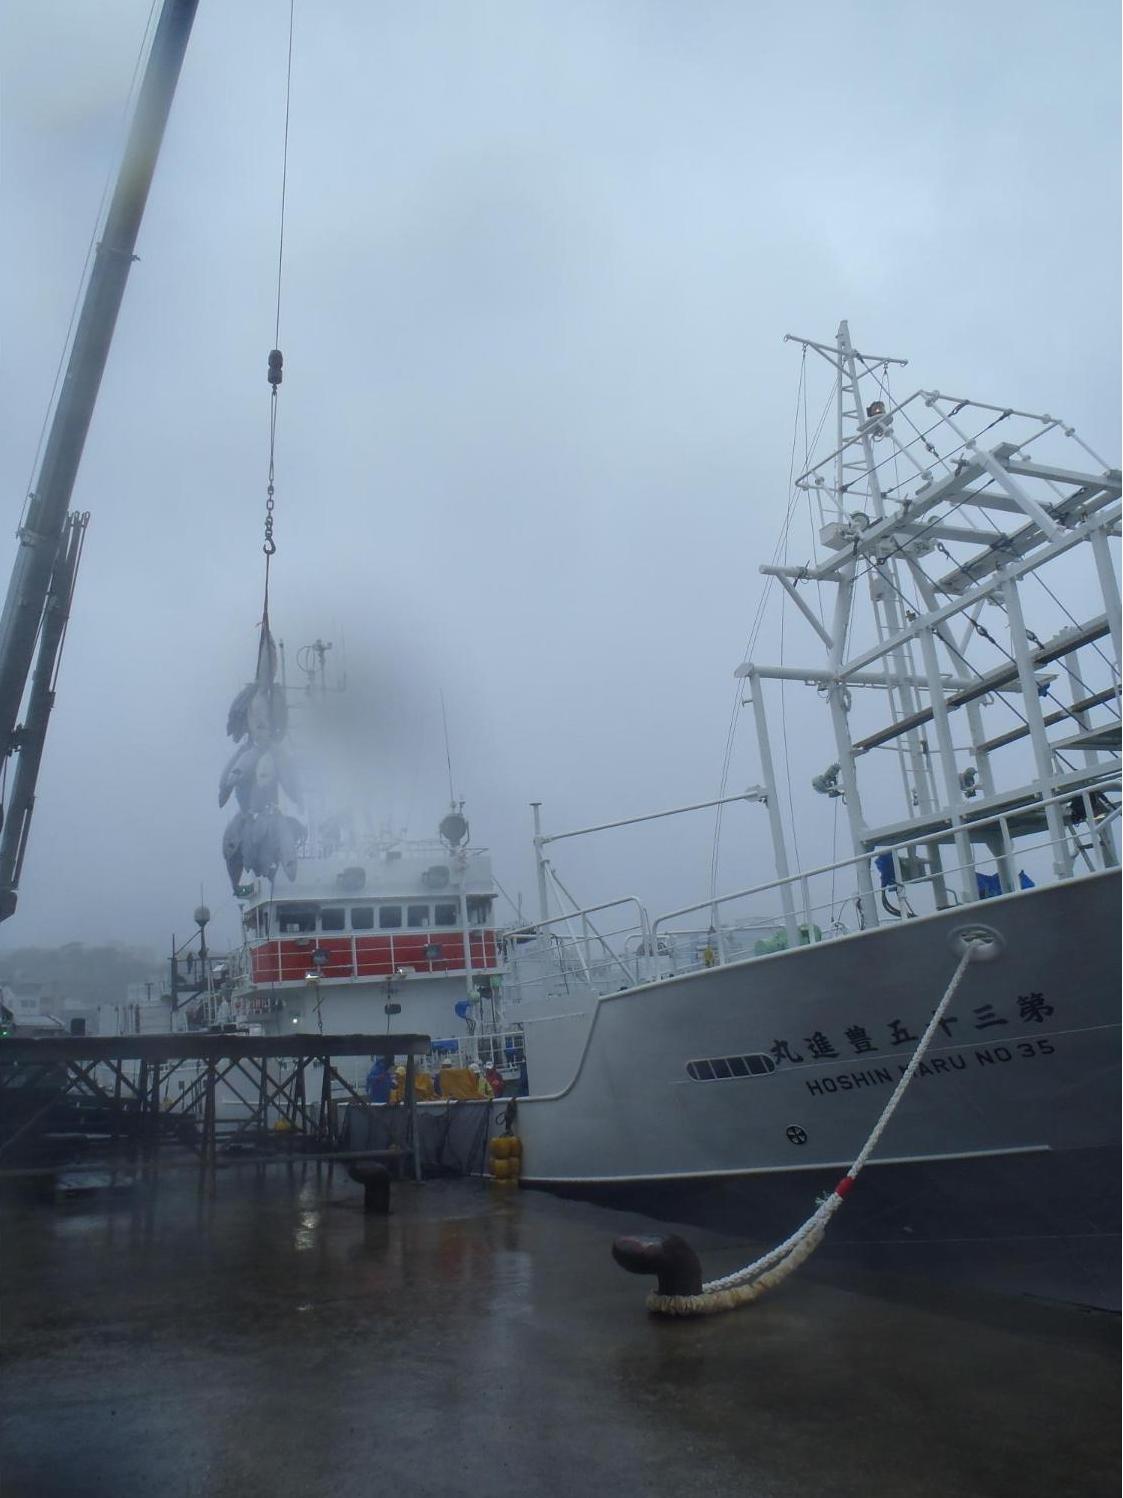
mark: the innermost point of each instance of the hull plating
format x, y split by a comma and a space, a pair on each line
1028, 1061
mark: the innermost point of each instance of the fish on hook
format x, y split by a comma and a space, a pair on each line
259, 711
260, 838
238, 776
232, 846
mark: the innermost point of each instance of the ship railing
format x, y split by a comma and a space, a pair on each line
581, 946
568, 956
503, 1047
555, 972
583, 961
1088, 842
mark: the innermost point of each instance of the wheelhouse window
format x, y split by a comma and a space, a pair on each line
479, 910
444, 915
333, 918
389, 917
294, 919
256, 921
362, 918
417, 915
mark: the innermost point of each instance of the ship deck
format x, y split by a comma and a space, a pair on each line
264, 1336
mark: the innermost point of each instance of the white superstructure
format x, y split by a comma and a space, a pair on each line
386, 934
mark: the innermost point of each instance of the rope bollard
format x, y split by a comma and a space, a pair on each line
675, 1293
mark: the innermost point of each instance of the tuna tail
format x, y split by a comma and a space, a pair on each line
266, 672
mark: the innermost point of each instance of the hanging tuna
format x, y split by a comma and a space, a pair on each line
260, 838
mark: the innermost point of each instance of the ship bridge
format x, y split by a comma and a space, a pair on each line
404, 908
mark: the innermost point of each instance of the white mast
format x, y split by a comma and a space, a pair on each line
889, 497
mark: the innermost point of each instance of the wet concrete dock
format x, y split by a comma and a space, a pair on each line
271, 1339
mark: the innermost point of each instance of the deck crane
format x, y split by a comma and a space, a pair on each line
37, 605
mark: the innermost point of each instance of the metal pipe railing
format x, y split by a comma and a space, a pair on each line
999, 819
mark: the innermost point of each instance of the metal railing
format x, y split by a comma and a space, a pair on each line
1097, 823
343, 957
654, 951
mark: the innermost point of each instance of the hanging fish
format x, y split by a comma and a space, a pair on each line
256, 845
260, 838
290, 834
267, 715
238, 775
288, 774
263, 790
232, 847
259, 710
237, 725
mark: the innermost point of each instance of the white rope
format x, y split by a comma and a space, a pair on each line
747, 1284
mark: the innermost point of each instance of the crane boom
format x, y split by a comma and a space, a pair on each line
43, 551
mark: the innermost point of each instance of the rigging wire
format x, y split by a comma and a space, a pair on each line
783, 621
985, 634
1110, 664
275, 372
448, 752
284, 176
758, 619
110, 176
899, 550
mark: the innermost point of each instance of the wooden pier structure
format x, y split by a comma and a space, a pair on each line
128, 1076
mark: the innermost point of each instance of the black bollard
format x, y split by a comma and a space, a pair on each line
375, 1181
671, 1258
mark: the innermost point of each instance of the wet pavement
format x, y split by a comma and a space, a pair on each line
271, 1339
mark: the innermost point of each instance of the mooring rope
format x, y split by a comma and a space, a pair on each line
749, 1283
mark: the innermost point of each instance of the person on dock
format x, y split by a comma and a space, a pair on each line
482, 1085
380, 1081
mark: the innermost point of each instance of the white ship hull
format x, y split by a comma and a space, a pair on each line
1029, 1063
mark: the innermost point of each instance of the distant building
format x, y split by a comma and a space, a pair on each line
28, 1012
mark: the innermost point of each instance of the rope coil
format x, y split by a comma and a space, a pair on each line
771, 1269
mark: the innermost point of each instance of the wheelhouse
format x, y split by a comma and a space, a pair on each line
370, 937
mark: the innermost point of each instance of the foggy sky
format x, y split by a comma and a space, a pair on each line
536, 421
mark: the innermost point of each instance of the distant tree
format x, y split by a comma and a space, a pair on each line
87, 976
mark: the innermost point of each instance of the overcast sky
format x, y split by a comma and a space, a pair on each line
536, 421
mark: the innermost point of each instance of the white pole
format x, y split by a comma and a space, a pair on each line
772, 803
867, 902
1042, 752
543, 900
1109, 585
836, 691
953, 791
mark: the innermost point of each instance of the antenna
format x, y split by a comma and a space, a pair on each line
448, 755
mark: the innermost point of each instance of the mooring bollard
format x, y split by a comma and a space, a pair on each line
375, 1181
670, 1257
